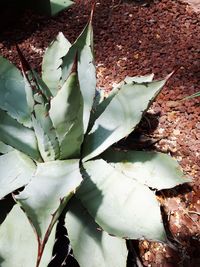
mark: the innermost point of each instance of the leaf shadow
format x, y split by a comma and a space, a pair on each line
62, 253
141, 138
91, 187
6, 205
91, 143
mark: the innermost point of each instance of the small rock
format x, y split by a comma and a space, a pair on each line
176, 132
198, 125
172, 104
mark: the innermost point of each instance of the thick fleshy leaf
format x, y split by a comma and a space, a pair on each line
87, 74
18, 242
52, 61
86, 69
102, 98
66, 113
120, 117
33, 80
38, 97
100, 94
59, 5
45, 196
12, 93
18, 136
156, 170
16, 171
86, 240
29, 93
40, 85
101, 101
5, 148
46, 135
47, 7
120, 205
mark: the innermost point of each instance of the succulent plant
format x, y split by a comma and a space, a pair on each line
47, 7
50, 7
56, 137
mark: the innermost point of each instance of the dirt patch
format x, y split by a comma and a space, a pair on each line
133, 40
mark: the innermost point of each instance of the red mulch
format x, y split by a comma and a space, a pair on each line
133, 40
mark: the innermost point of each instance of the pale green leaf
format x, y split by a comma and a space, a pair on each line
5, 148
66, 113
102, 98
120, 117
38, 99
52, 61
29, 93
33, 80
59, 5
101, 101
18, 242
40, 85
100, 95
91, 246
86, 69
120, 205
156, 170
87, 73
46, 135
12, 93
16, 171
46, 195
71, 144
67, 63
18, 136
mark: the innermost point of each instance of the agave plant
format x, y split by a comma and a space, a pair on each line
56, 134
49, 7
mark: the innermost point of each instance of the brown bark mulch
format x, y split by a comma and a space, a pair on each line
132, 39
